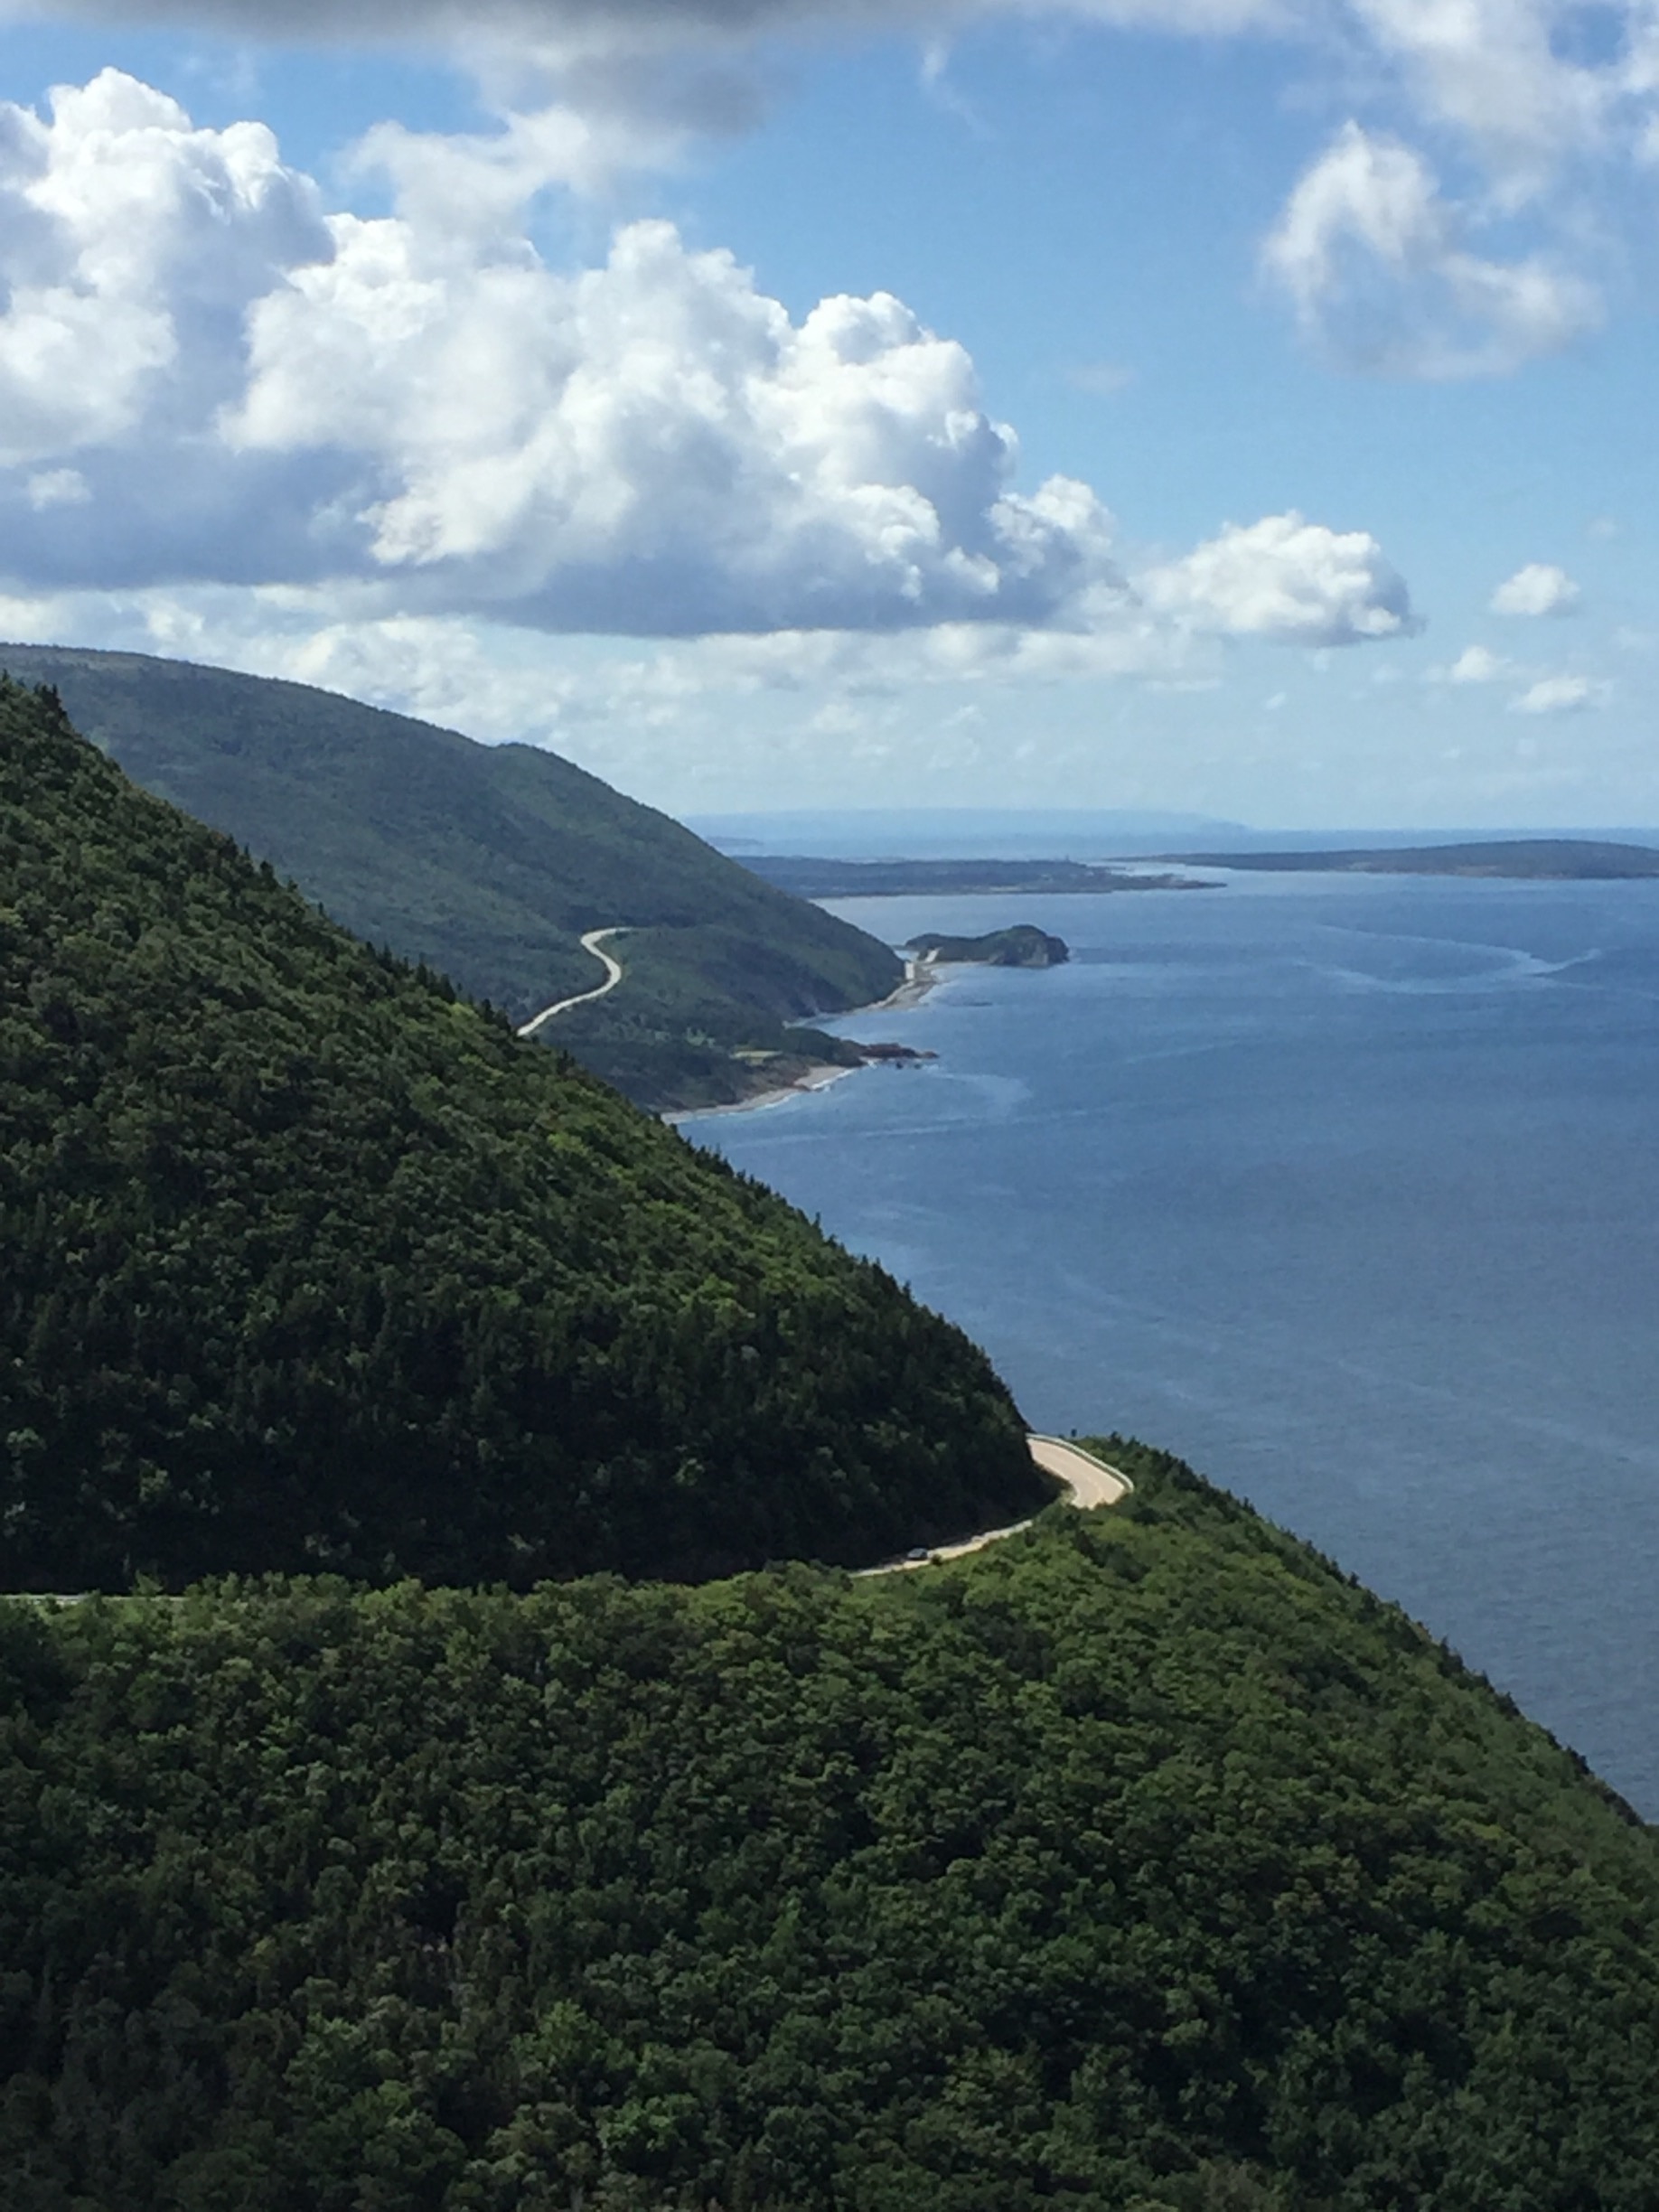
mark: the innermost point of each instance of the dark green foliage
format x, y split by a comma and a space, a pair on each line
1138, 1864
1022, 946
669, 1032
487, 862
308, 1262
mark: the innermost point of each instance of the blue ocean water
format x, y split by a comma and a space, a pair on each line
1345, 1188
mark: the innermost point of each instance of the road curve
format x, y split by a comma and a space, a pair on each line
592, 940
1088, 1482
1091, 1481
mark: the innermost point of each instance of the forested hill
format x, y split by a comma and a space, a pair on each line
1138, 1864
309, 1263
487, 862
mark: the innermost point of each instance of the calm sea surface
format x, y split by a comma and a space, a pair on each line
1347, 1190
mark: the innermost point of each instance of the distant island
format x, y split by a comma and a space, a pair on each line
1540, 860
1022, 946
824, 878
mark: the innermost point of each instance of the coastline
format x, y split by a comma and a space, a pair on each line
920, 977
819, 1076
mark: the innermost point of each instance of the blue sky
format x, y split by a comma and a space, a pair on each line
767, 406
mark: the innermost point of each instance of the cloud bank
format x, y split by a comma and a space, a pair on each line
206, 377
1537, 102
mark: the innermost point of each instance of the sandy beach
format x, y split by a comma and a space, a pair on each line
817, 1077
920, 978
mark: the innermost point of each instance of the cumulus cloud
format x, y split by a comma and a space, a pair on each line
1476, 664
651, 445
1554, 695
1372, 259
416, 408
131, 246
1539, 588
1286, 579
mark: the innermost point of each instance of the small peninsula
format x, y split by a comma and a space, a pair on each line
1022, 946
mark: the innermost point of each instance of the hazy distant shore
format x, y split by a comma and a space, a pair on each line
1517, 860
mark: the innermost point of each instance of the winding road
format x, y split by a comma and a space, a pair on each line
1087, 1480
592, 942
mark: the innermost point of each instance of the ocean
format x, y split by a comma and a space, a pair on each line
1345, 1188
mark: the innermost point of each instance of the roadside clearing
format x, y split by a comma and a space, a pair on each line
592, 942
1088, 1481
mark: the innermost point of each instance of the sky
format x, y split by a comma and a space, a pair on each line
1240, 407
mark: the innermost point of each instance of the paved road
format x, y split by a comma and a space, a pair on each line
592, 940
1088, 1482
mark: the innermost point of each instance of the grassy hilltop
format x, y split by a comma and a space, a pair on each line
310, 1263
487, 862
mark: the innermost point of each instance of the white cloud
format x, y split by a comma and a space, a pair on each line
131, 243
1496, 69
1288, 579
1475, 664
64, 487
1539, 588
1553, 695
422, 413
1371, 258
652, 444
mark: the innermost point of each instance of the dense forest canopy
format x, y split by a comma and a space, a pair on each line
309, 1263
487, 862
1138, 1864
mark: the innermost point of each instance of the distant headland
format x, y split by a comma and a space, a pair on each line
1546, 859
813, 877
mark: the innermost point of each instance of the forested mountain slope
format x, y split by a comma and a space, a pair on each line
487, 862
309, 1263
1138, 1864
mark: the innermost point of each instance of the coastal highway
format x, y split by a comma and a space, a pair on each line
1088, 1482
592, 942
